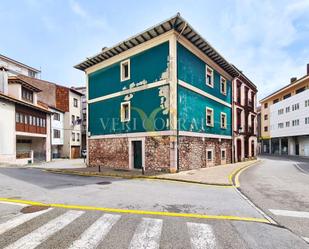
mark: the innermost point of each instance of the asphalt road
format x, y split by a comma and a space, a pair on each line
280, 187
66, 228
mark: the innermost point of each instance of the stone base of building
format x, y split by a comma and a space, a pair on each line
159, 152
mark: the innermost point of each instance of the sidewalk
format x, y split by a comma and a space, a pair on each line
55, 164
218, 175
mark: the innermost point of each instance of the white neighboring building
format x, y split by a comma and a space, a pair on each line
14, 67
57, 132
289, 125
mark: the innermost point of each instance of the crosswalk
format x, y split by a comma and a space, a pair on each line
147, 233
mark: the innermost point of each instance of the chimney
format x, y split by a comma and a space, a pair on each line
3, 80
308, 69
293, 79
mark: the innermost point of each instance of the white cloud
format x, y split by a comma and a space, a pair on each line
261, 34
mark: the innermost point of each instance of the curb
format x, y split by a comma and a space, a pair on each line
95, 174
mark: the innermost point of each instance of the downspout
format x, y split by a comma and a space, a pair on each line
177, 113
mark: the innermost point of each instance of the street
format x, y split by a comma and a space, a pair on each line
122, 213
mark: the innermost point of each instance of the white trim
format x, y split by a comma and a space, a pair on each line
222, 79
122, 77
132, 51
203, 93
206, 135
212, 82
128, 91
135, 134
122, 111
223, 160
131, 155
212, 116
27, 134
225, 120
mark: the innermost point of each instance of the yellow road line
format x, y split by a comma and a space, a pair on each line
234, 176
140, 212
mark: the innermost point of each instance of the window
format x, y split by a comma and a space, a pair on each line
56, 116
75, 102
275, 101
26, 119
307, 120
265, 128
125, 114
56, 133
31, 73
295, 107
73, 136
27, 95
209, 117
73, 119
223, 120
77, 136
286, 96
287, 109
44, 122
265, 117
287, 124
30, 120
125, 70
223, 154
280, 125
300, 90
307, 103
223, 85
280, 111
21, 118
295, 122
209, 155
265, 105
209, 76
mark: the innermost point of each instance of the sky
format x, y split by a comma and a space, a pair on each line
267, 39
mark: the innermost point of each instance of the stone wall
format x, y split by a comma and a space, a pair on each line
192, 152
157, 153
109, 152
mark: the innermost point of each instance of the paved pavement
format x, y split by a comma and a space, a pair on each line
280, 188
60, 228
60, 164
67, 228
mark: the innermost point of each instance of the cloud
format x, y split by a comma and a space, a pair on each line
265, 40
89, 20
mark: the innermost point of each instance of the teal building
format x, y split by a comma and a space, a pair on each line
161, 100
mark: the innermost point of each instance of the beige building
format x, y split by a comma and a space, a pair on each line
285, 119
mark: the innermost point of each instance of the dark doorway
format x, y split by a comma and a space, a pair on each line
137, 154
297, 149
238, 150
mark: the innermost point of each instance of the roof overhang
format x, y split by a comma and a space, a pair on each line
16, 80
176, 23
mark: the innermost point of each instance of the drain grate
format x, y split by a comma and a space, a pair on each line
33, 209
103, 183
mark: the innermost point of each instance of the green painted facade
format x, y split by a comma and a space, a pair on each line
191, 105
145, 66
148, 112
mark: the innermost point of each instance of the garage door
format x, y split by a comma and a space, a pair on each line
75, 151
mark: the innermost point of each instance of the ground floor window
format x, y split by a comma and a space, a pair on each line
209, 155
223, 154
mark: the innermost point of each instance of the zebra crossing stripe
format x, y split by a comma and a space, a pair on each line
41, 234
147, 234
96, 232
201, 236
18, 220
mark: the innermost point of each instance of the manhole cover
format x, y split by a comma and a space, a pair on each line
33, 209
103, 183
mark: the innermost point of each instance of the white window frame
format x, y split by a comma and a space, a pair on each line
223, 149
212, 117
212, 76
223, 126
212, 155
122, 113
222, 79
122, 78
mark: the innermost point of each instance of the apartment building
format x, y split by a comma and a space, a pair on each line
24, 122
83, 90
244, 118
14, 67
285, 119
161, 100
